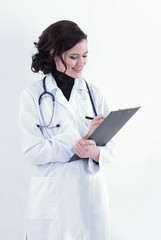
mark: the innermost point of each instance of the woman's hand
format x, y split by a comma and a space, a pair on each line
87, 149
94, 124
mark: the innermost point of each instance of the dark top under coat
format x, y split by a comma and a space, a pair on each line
64, 82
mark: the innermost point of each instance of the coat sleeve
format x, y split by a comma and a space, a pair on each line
107, 152
36, 149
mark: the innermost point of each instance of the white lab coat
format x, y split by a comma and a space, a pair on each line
67, 201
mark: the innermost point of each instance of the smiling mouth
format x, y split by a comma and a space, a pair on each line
77, 69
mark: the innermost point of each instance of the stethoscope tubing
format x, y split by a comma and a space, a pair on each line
45, 92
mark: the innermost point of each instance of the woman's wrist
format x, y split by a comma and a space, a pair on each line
96, 155
86, 136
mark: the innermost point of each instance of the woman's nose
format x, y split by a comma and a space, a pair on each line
80, 61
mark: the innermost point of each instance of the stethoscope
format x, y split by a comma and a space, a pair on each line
44, 94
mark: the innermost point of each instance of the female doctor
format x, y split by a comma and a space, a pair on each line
67, 200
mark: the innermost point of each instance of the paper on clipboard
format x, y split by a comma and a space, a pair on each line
109, 127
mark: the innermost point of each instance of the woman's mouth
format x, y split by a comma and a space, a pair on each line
77, 70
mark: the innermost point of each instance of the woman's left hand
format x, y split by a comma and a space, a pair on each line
87, 149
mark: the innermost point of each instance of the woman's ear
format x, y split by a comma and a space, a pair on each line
51, 51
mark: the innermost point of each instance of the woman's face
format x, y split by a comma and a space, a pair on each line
75, 60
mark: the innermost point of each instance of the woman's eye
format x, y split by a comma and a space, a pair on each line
73, 57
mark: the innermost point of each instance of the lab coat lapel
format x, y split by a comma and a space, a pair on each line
52, 87
75, 96
60, 99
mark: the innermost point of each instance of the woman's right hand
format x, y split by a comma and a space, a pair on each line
94, 124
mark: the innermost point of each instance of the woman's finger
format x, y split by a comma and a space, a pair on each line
99, 117
90, 142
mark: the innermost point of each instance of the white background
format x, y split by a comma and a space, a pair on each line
124, 59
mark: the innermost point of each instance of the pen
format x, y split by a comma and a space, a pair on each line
89, 118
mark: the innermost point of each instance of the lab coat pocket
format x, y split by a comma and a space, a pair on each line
42, 198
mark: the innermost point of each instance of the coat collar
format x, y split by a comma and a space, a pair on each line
79, 83
51, 86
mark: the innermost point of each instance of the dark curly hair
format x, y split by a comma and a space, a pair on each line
59, 37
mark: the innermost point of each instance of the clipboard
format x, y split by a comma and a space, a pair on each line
109, 127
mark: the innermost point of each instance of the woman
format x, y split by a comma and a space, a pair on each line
67, 200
